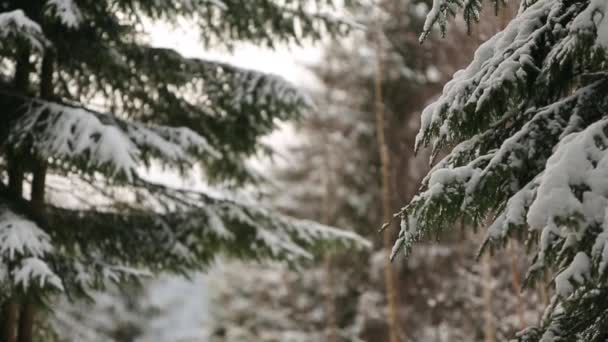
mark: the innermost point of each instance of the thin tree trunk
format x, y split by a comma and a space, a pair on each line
391, 291
10, 316
327, 213
327, 218
544, 290
516, 283
489, 328
26, 322
330, 297
21, 84
15, 185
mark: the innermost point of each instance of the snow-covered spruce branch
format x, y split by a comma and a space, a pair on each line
35, 255
586, 313
218, 88
93, 141
500, 75
477, 177
268, 233
66, 12
513, 66
16, 25
190, 233
24, 252
528, 119
230, 106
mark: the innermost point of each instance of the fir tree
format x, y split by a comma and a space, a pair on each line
88, 105
526, 125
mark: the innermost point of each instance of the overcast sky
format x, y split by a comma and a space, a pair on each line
288, 62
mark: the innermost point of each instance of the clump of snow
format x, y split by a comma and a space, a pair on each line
66, 11
23, 241
34, 271
578, 271
432, 17
75, 132
17, 24
20, 236
513, 215
594, 19
100, 140
442, 177
580, 160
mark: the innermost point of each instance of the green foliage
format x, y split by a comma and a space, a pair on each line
526, 125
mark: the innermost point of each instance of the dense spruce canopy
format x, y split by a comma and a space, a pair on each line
87, 105
526, 123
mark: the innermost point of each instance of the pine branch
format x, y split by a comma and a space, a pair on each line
93, 141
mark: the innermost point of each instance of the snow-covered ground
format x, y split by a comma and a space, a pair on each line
186, 303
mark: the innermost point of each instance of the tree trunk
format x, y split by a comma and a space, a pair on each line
543, 285
10, 316
489, 328
391, 291
26, 322
516, 283
330, 298
21, 84
330, 306
15, 185
327, 213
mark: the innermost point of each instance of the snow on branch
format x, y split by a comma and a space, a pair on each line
594, 20
20, 236
175, 230
24, 248
528, 122
500, 68
248, 228
224, 87
474, 178
36, 272
15, 24
66, 11
94, 141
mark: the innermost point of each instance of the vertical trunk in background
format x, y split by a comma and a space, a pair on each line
390, 280
516, 284
22, 81
10, 316
327, 215
489, 328
330, 298
544, 289
26, 322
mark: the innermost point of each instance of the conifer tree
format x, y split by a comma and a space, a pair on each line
527, 129
87, 105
